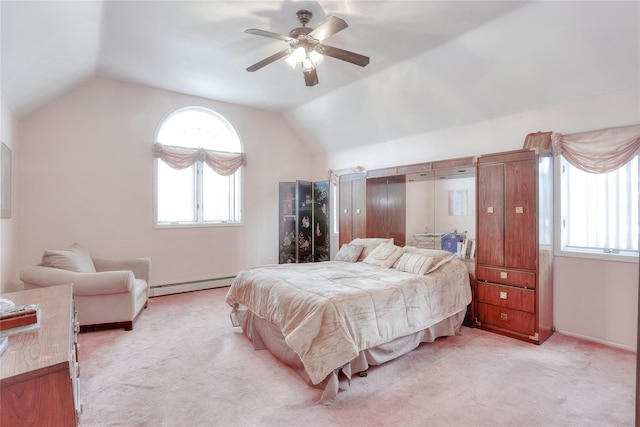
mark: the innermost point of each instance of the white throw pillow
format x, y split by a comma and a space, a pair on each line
414, 263
436, 253
370, 243
384, 255
439, 262
73, 258
349, 253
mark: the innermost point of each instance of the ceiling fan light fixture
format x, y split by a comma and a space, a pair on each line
316, 57
308, 65
298, 55
306, 47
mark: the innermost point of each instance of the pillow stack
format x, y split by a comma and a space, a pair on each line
383, 253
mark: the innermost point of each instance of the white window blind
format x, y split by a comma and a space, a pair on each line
600, 211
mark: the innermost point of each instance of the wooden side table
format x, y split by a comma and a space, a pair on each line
39, 372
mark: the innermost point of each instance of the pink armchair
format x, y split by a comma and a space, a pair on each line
106, 293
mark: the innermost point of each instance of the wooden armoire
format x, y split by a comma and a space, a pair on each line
353, 206
372, 206
386, 208
514, 253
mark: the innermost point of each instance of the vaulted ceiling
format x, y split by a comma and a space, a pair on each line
434, 64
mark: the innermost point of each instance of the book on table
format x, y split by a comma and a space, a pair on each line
4, 342
19, 319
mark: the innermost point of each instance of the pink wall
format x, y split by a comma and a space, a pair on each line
86, 176
8, 226
85, 172
596, 299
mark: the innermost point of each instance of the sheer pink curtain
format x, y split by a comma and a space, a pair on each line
179, 158
598, 151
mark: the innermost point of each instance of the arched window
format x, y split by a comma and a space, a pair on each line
198, 155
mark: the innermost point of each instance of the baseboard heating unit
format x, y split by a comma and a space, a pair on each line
194, 285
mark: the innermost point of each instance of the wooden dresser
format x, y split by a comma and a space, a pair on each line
514, 291
39, 372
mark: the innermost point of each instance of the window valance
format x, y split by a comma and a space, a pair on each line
598, 151
180, 157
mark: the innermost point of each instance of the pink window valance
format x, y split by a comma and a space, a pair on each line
222, 162
598, 151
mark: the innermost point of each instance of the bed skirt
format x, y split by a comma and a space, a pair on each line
265, 335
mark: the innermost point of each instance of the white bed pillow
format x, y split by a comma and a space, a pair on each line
370, 243
414, 263
384, 255
439, 257
436, 253
73, 258
440, 261
349, 252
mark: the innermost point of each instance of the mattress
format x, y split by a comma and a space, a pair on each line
265, 335
330, 312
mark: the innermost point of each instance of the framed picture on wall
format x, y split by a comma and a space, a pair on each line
5, 181
457, 202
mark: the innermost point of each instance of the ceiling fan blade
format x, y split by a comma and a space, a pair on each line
328, 27
264, 33
310, 77
344, 55
269, 60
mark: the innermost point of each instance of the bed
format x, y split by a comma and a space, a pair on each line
374, 302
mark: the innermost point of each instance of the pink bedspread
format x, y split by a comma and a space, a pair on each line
330, 311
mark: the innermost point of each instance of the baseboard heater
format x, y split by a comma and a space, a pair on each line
194, 285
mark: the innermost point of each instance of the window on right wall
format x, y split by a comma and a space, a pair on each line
599, 212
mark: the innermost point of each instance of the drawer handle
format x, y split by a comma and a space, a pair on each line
503, 316
503, 295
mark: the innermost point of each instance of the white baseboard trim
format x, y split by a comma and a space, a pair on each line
587, 338
195, 285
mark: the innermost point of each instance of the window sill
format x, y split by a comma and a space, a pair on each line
598, 256
197, 225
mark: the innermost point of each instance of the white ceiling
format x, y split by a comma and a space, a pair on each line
434, 64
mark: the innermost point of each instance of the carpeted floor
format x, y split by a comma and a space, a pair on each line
185, 365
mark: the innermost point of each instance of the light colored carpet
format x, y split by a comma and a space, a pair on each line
185, 365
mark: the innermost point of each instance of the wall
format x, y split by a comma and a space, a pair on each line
8, 226
86, 176
595, 300
85, 172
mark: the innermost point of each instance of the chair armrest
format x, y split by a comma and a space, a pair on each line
108, 282
141, 267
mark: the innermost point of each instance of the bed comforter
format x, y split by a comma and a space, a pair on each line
330, 311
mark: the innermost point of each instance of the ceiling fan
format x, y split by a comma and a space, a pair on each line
305, 46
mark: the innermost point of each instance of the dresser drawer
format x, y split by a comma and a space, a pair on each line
506, 318
506, 296
507, 277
